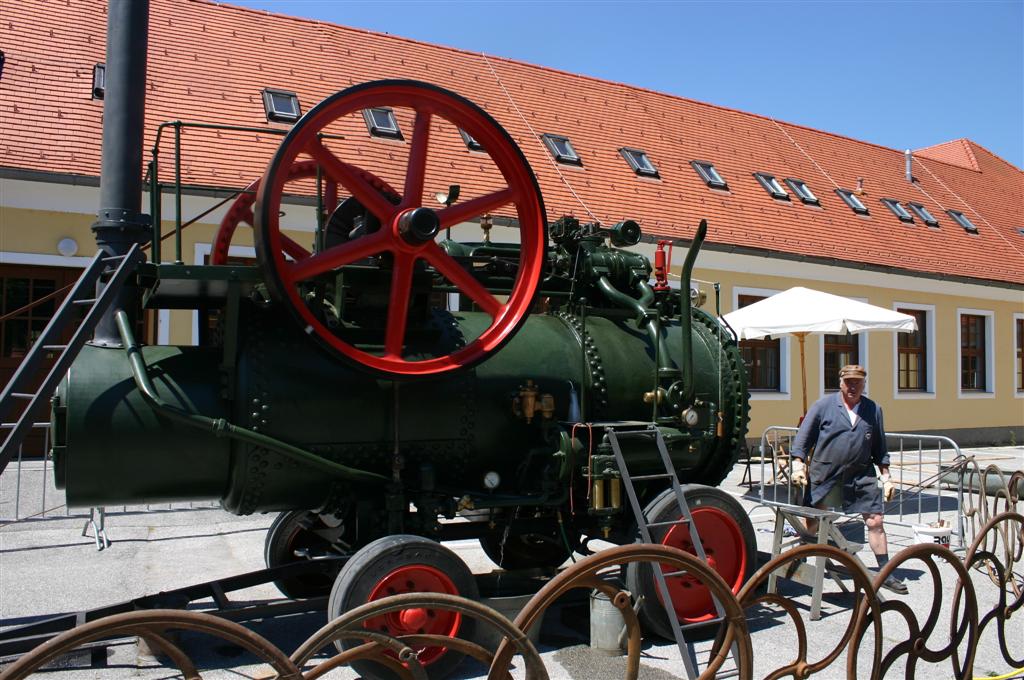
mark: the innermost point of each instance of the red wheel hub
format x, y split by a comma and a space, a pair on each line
416, 578
722, 540
402, 235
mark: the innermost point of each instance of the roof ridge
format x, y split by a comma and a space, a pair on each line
971, 143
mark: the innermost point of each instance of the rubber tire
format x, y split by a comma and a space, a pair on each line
640, 576
371, 564
526, 551
279, 548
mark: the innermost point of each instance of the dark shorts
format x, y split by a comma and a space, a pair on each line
859, 492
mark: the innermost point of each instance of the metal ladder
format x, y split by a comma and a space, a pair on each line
82, 294
686, 650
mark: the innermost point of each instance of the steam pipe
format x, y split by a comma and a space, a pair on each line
686, 309
119, 220
644, 316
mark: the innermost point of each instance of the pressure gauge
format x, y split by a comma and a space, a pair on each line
491, 480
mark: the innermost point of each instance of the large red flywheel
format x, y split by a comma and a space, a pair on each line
407, 228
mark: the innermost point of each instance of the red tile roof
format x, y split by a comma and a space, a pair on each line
210, 62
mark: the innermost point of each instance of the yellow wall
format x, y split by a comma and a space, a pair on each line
37, 231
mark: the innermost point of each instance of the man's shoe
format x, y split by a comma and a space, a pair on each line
895, 585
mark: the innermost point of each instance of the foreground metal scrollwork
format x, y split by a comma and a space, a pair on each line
998, 548
864, 593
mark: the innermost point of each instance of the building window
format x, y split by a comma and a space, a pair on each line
912, 360
762, 356
639, 161
1018, 328
561, 148
708, 173
772, 186
973, 353
381, 122
923, 213
99, 81
840, 350
470, 141
962, 220
281, 106
853, 201
898, 210
801, 189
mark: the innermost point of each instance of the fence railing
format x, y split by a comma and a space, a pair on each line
921, 466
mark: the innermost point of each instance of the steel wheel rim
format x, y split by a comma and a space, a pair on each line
416, 578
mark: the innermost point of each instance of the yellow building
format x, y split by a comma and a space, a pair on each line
938, 232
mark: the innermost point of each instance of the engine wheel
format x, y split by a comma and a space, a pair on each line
544, 549
297, 535
407, 229
401, 564
730, 545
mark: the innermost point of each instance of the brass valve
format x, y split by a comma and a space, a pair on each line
658, 394
529, 401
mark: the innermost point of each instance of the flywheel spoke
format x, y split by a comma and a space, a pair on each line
481, 205
462, 279
338, 256
412, 194
352, 179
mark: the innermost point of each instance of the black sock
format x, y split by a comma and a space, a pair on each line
881, 560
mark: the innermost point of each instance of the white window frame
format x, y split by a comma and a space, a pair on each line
862, 353
853, 201
784, 393
929, 348
1017, 316
802, 191
990, 373
924, 213
772, 185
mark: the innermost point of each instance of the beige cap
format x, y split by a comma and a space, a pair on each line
852, 371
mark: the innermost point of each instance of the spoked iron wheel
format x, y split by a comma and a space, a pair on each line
399, 564
300, 535
406, 236
727, 537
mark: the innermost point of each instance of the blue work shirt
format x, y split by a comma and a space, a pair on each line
843, 453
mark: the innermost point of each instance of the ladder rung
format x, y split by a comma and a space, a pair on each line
663, 475
700, 624
22, 395
670, 574
669, 523
54, 348
85, 301
113, 258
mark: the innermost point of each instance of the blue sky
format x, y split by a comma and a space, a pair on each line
900, 74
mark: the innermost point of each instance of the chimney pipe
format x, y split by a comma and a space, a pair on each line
119, 221
909, 161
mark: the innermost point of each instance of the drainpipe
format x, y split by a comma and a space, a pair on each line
119, 220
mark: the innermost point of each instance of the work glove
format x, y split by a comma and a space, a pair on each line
888, 488
798, 472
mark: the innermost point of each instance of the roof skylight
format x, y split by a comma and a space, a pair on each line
962, 220
99, 81
898, 210
853, 201
639, 161
923, 213
771, 185
381, 122
470, 141
801, 189
708, 173
561, 148
281, 105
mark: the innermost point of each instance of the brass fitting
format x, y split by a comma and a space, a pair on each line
525, 404
616, 492
465, 503
597, 494
655, 395
547, 406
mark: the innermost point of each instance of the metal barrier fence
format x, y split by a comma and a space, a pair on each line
27, 492
933, 496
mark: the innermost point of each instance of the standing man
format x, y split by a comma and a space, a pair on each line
845, 431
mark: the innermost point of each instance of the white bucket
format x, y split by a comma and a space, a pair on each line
936, 535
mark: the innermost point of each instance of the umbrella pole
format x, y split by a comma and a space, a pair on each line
803, 372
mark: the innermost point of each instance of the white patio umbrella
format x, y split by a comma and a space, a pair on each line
801, 311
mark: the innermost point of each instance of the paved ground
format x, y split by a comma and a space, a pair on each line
48, 566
